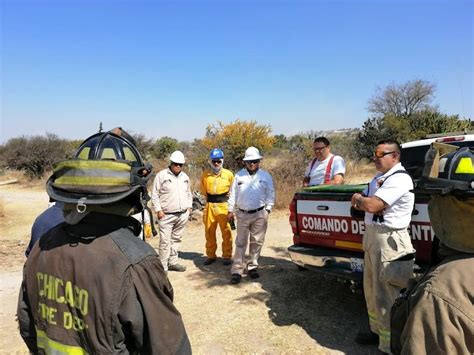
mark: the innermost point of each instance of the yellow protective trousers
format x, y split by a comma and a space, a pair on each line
216, 214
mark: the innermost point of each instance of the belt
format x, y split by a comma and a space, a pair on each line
406, 257
217, 198
253, 211
179, 212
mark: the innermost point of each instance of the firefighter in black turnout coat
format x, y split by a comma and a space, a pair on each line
90, 284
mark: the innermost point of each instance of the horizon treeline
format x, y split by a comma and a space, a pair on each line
403, 112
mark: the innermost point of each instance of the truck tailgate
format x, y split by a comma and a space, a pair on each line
324, 219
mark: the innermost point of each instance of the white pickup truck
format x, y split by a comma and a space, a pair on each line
327, 232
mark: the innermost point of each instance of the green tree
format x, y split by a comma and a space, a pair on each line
404, 112
424, 123
281, 142
372, 131
343, 143
235, 137
417, 126
302, 144
164, 146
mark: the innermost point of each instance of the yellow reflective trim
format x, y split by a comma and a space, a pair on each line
129, 154
108, 153
84, 154
351, 245
465, 166
53, 347
92, 164
91, 181
372, 315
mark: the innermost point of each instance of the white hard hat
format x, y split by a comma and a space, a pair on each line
252, 153
177, 157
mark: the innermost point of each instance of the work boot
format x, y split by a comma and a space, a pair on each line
367, 338
209, 261
253, 274
235, 279
177, 267
227, 262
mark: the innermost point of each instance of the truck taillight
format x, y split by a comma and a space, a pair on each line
292, 218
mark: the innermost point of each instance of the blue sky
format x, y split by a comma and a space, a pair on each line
170, 68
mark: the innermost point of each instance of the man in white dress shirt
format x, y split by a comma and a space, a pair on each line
251, 199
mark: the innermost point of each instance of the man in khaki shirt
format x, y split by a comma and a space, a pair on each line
172, 200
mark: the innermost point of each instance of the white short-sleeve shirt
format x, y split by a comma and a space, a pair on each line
318, 172
394, 190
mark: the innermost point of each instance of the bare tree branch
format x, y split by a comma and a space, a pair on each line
402, 100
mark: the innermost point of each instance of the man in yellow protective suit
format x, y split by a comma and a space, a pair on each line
215, 185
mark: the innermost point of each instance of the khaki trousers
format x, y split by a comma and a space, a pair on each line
384, 276
171, 228
251, 229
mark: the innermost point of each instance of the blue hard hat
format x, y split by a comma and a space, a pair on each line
216, 153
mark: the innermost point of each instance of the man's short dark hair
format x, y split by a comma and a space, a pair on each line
323, 140
398, 148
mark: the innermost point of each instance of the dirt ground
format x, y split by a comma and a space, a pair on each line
285, 311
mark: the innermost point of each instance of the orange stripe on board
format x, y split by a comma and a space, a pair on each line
348, 245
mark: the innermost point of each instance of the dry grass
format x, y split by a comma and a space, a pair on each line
22, 179
6, 175
359, 172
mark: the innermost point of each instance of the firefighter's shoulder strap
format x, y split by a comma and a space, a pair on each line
398, 172
312, 164
327, 175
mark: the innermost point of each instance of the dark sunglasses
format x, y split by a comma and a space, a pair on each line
252, 162
216, 161
380, 154
177, 164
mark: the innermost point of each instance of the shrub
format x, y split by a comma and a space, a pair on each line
34, 155
144, 145
287, 170
164, 147
235, 137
